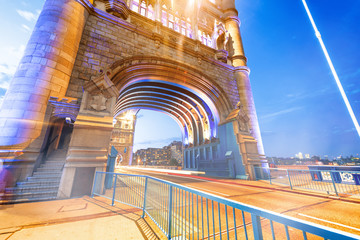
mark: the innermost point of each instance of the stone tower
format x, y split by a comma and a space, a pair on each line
122, 137
88, 61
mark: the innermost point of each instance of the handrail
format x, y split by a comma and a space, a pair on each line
321, 180
171, 197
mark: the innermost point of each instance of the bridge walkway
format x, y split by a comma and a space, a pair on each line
78, 218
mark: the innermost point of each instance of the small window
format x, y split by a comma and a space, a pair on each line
135, 5
150, 13
143, 9
164, 17
177, 27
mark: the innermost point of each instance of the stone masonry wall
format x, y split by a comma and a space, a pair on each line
107, 39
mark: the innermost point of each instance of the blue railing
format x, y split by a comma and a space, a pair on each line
328, 181
184, 213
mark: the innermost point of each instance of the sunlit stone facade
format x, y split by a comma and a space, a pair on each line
184, 58
122, 137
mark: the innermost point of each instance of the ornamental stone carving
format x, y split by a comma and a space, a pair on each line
117, 8
98, 102
100, 95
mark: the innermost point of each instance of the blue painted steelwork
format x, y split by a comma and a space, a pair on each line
174, 209
329, 181
212, 157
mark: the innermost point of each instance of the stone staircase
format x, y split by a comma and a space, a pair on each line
43, 184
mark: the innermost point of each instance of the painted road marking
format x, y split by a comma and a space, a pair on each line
339, 224
207, 190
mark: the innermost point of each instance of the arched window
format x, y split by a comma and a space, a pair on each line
189, 30
150, 13
176, 22
183, 27
164, 16
171, 21
143, 8
204, 38
135, 5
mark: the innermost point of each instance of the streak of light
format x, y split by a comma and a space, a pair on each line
318, 35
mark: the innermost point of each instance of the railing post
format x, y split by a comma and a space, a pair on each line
333, 182
269, 175
145, 190
256, 222
287, 173
170, 212
93, 189
113, 199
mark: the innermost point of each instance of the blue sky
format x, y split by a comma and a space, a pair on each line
299, 106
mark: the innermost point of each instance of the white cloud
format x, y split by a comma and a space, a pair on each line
278, 113
29, 16
1, 100
9, 60
26, 27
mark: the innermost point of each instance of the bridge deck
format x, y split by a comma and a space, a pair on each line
80, 218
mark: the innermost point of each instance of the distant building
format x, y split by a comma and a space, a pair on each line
176, 151
307, 156
160, 156
299, 155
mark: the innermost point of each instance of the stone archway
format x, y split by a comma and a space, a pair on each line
211, 127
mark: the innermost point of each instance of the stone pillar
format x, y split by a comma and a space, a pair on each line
247, 101
90, 140
241, 73
43, 71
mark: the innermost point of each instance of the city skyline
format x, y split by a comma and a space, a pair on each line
298, 105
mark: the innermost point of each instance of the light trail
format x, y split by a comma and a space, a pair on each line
318, 35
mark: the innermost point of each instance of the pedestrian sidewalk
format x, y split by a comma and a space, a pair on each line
78, 218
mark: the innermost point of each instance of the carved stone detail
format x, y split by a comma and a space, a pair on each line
98, 102
100, 95
117, 8
222, 55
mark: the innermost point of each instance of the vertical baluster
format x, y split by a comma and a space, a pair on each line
333, 182
183, 210
272, 229
287, 232
234, 216
170, 212
114, 189
176, 209
145, 191
256, 223
197, 216
219, 220
213, 215
189, 216
207, 216
227, 224
287, 172
244, 224
193, 217
304, 235
202, 218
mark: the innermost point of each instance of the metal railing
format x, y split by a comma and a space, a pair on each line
328, 181
184, 213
